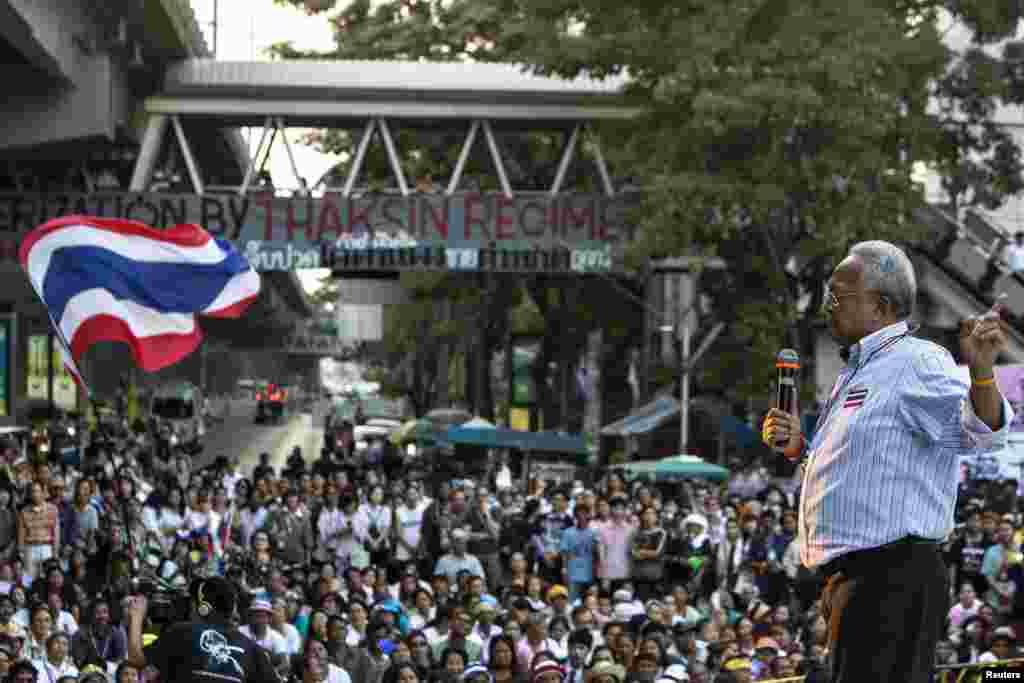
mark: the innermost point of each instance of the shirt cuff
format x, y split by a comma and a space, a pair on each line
979, 434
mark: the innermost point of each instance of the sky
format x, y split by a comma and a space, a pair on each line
246, 29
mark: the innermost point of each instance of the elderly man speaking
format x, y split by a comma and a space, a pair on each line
880, 476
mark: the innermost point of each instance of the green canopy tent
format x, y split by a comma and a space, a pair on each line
675, 468
419, 431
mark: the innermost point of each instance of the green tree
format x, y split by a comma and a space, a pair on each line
777, 132
405, 362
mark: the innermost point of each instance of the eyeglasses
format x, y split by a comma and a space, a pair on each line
832, 299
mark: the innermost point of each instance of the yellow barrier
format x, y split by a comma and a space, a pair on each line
946, 672
969, 673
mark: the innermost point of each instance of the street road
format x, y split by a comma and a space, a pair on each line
237, 435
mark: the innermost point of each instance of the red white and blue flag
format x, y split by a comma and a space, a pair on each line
856, 397
123, 281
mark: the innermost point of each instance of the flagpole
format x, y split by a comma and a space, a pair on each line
49, 376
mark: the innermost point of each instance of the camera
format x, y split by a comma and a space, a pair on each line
167, 604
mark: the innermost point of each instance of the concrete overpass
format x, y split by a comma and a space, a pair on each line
76, 75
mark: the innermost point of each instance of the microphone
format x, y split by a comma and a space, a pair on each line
788, 365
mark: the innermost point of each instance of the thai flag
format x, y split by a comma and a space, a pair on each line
117, 280
225, 528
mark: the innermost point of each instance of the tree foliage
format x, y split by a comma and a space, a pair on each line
776, 133
406, 361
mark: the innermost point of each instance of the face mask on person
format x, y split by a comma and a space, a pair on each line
376, 497
458, 507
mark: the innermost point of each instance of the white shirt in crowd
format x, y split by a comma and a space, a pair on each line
335, 674
1014, 255
230, 482
431, 634
410, 526
48, 673
65, 622
292, 637
250, 521
353, 637
958, 614
273, 641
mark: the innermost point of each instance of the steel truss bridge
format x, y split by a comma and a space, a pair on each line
407, 225
376, 96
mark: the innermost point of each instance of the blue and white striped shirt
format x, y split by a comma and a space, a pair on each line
884, 460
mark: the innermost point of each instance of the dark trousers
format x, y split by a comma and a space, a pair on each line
885, 610
645, 590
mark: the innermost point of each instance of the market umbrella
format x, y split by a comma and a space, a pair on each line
477, 423
676, 468
447, 417
415, 430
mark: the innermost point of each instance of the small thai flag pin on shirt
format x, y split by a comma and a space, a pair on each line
856, 397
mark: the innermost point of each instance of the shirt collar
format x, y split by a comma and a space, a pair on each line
871, 343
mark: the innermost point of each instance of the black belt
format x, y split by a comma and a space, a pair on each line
851, 562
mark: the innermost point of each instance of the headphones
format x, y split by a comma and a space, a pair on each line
203, 608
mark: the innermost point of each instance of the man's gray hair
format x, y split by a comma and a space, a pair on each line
888, 271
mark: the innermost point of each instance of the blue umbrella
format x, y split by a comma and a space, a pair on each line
676, 468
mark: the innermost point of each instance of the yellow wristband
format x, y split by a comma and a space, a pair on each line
794, 452
983, 382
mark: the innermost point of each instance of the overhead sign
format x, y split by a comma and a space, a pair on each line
465, 231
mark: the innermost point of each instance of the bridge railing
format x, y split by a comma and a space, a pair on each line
972, 251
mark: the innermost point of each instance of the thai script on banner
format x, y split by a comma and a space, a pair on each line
365, 243
266, 256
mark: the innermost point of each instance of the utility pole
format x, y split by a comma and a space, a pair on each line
684, 391
202, 367
688, 268
216, 25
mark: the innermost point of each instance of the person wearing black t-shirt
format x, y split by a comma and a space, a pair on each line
966, 552
549, 542
264, 469
208, 649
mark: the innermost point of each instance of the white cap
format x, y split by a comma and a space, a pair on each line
674, 674
622, 613
260, 606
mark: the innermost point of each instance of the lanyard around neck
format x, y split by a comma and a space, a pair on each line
106, 645
838, 392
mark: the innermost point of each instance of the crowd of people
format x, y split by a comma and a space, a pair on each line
354, 576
